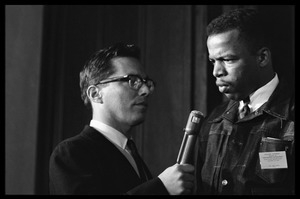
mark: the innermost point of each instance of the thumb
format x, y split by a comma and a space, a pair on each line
187, 167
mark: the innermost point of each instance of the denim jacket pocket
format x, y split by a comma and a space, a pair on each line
269, 144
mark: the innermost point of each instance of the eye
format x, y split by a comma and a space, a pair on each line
229, 61
135, 81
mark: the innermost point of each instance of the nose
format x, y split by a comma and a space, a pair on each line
219, 69
144, 90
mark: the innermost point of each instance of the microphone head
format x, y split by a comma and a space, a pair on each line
194, 122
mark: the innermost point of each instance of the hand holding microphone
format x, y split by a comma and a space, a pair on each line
179, 178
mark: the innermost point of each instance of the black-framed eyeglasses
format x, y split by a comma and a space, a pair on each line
134, 81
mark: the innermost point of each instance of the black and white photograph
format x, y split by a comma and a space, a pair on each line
149, 99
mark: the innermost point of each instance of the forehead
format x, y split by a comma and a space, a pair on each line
223, 43
127, 65
226, 38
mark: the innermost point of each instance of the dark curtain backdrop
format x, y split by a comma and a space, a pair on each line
173, 43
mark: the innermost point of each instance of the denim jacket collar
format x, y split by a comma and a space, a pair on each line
277, 106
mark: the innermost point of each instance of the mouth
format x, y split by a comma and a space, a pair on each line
221, 83
223, 87
141, 104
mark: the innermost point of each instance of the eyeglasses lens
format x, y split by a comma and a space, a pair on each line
136, 83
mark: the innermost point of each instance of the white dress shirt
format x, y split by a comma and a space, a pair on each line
115, 137
261, 95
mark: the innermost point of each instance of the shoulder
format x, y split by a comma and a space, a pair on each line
78, 146
282, 100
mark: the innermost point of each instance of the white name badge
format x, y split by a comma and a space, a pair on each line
273, 160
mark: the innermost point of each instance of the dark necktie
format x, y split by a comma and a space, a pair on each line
138, 160
245, 110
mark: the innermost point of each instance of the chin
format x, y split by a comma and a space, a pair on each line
234, 97
137, 122
138, 119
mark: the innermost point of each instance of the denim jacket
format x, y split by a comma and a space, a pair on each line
228, 150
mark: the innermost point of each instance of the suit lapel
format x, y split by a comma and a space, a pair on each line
104, 147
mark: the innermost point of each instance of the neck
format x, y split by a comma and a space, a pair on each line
266, 78
123, 128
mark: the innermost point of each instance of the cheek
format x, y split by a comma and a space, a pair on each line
234, 74
118, 101
239, 70
243, 80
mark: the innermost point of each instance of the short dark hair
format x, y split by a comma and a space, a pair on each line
99, 66
252, 25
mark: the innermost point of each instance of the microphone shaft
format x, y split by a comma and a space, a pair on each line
185, 155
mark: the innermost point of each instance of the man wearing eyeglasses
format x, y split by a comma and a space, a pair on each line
102, 159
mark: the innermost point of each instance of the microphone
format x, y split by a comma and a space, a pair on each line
191, 130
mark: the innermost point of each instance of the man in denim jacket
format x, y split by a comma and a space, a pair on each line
252, 153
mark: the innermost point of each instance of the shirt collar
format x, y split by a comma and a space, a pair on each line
113, 135
261, 95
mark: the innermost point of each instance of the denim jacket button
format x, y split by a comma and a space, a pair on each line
224, 182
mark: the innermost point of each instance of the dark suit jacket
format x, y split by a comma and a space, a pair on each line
88, 163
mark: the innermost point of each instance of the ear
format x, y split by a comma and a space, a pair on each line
94, 94
263, 56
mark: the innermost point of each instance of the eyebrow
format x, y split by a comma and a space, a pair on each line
223, 56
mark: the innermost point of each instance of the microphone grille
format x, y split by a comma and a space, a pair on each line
197, 113
194, 122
